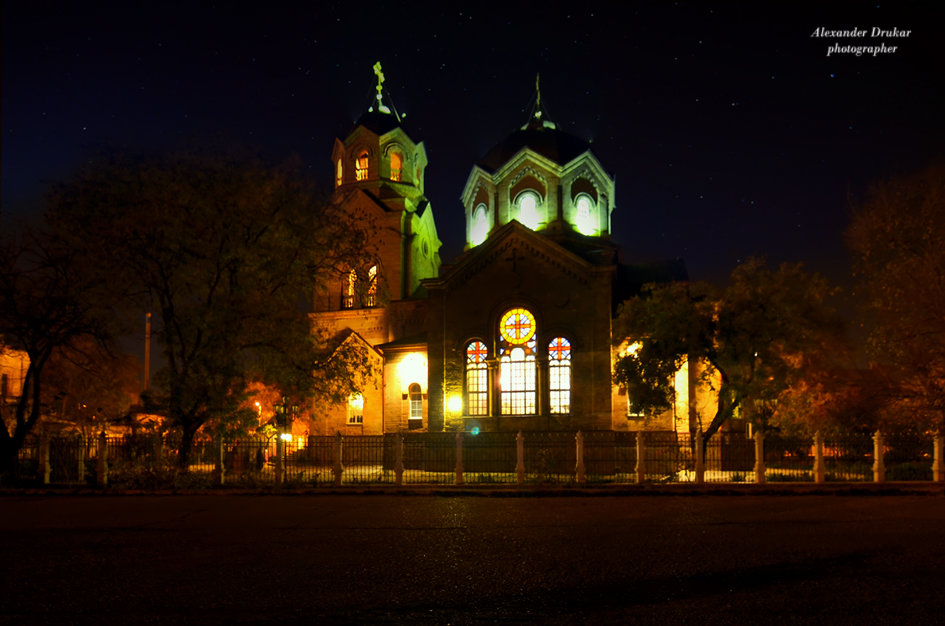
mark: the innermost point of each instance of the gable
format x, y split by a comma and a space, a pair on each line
512, 244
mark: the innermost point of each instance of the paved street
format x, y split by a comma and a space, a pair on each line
382, 558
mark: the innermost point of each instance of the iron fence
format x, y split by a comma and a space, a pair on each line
669, 457
788, 458
489, 458
412, 458
848, 457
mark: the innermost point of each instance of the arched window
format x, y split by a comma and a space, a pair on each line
361, 166
517, 365
396, 165
416, 405
585, 213
479, 226
339, 172
559, 375
528, 203
477, 379
355, 409
370, 298
349, 298
355, 294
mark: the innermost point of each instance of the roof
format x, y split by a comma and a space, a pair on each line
554, 144
378, 122
404, 343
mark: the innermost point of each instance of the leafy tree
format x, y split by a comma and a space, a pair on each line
88, 387
225, 252
48, 310
897, 237
747, 342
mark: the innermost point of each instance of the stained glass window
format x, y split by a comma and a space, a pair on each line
559, 375
517, 369
517, 326
477, 379
517, 364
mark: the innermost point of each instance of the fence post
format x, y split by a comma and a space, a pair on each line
819, 470
459, 458
700, 458
879, 465
219, 469
579, 466
280, 459
399, 459
101, 466
938, 462
44, 469
520, 458
759, 457
80, 458
641, 460
338, 469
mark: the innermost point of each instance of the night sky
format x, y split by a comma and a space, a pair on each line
729, 130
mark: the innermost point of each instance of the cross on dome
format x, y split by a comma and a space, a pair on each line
379, 105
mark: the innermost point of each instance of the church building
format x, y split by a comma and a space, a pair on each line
516, 333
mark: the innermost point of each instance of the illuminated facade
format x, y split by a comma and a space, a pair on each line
515, 334
544, 179
13, 366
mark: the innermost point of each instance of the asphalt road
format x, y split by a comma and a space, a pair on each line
395, 559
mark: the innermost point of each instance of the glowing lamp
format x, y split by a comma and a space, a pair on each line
412, 369
455, 403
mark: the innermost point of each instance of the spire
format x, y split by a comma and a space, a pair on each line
380, 87
535, 121
538, 95
379, 105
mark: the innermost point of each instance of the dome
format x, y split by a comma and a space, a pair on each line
378, 122
551, 143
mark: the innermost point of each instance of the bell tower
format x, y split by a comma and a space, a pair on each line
379, 174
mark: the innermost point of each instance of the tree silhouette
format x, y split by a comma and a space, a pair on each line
225, 252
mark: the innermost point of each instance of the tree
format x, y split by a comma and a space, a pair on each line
48, 310
225, 252
88, 387
897, 237
747, 341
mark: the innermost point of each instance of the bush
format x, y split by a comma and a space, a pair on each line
909, 471
778, 477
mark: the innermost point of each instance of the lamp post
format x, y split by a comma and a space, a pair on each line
285, 411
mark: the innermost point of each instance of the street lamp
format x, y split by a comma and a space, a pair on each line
285, 412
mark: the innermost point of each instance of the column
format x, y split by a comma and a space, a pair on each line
879, 465
759, 457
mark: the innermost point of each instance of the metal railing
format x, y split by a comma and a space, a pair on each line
449, 458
